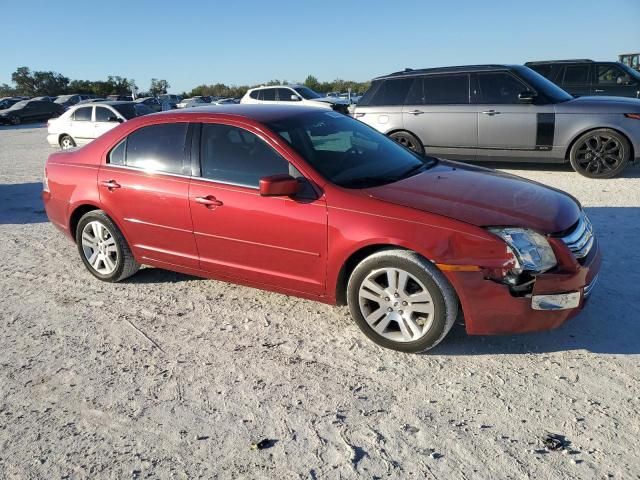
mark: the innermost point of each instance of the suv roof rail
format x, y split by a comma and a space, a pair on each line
572, 60
451, 69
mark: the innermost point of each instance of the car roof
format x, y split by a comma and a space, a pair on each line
408, 72
575, 60
258, 112
290, 85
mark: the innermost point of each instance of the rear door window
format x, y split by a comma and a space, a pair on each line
499, 88
391, 92
82, 114
160, 148
268, 94
284, 95
439, 90
576, 75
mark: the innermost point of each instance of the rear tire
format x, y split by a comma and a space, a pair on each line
601, 153
15, 120
401, 301
66, 142
103, 249
408, 140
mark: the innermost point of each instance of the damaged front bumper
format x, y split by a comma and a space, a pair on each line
493, 308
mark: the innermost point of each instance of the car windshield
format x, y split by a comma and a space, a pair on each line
542, 85
127, 110
347, 152
18, 105
63, 98
307, 93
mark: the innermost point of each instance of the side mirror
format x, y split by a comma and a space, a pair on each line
295, 98
115, 119
281, 185
527, 96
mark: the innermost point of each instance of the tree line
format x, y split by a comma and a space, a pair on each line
47, 83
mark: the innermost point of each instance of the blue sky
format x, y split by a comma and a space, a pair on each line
246, 42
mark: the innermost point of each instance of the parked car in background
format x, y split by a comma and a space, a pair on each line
120, 98
81, 124
503, 112
631, 60
192, 102
172, 100
586, 77
70, 100
293, 95
92, 100
6, 102
44, 99
308, 202
30, 111
225, 101
150, 102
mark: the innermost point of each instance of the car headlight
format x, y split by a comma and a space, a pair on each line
532, 251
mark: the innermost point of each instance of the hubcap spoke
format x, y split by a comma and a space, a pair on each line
99, 247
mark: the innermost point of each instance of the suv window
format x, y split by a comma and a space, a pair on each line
284, 95
255, 94
439, 90
103, 114
391, 92
609, 74
233, 155
159, 148
544, 70
268, 94
82, 114
499, 88
576, 75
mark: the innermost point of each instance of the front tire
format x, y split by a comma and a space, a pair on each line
601, 153
66, 142
409, 141
15, 120
401, 301
103, 249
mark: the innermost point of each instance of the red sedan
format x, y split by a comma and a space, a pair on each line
312, 203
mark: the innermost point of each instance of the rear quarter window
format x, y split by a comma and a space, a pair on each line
388, 92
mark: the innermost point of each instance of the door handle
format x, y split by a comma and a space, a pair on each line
490, 112
110, 184
208, 201
599, 90
416, 112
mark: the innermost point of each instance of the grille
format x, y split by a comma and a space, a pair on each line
581, 238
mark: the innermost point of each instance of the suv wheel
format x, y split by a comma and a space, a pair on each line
408, 140
103, 248
601, 153
401, 301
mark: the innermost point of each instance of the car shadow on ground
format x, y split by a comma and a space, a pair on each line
23, 126
609, 323
20, 203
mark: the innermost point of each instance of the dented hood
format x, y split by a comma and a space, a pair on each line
483, 197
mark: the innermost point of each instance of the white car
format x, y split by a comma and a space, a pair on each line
82, 123
293, 94
192, 102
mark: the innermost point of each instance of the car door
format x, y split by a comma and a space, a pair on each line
277, 241
576, 79
82, 128
437, 109
610, 79
104, 120
508, 128
144, 185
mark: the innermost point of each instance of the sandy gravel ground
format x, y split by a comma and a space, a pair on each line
170, 376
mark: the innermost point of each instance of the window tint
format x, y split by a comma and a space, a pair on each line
254, 94
116, 156
284, 95
609, 75
576, 75
233, 155
391, 92
544, 70
158, 147
268, 94
82, 114
439, 90
499, 88
103, 114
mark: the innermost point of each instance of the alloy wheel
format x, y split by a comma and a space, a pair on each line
67, 143
99, 247
599, 154
396, 305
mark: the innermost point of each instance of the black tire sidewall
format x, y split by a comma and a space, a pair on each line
419, 148
97, 215
415, 269
605, 131
73, 143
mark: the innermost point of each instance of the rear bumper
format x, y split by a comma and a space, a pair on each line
52, 138
490, 308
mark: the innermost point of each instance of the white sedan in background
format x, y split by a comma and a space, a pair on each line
83, 123
192, 102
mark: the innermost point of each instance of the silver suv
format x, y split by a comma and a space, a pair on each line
503, 112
